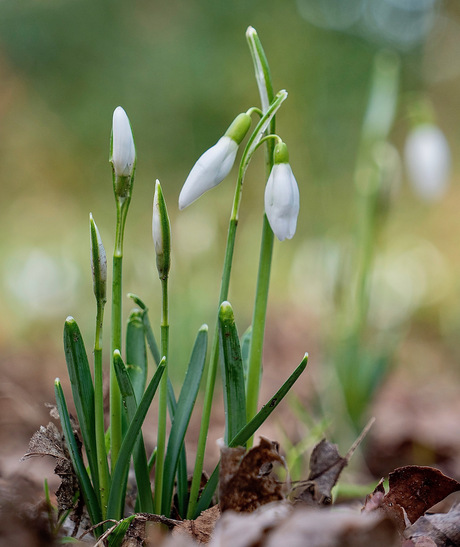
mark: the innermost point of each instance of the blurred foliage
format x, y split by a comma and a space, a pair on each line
182, 71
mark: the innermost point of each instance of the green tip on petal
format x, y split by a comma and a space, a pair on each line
239, 127
281, 154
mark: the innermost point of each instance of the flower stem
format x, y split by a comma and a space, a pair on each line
115, 397
249, 150
258, 322
162, 401
265, 85
103, 469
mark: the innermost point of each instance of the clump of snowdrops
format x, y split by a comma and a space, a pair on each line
111, 443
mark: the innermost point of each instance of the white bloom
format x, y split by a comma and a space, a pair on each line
123, 150
282, 201
210, 169
428, 161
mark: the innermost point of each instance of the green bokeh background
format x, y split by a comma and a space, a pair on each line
182, 71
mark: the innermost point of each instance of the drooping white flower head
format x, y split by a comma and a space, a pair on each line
282, 196
216, 163
123, 151
428, 161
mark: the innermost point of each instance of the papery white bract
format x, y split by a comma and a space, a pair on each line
428, 161
282, 201
256, 51
123, 150
210, 169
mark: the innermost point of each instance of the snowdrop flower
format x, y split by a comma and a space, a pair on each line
282, 195
216, 163
428, 161
123, 152
161, 232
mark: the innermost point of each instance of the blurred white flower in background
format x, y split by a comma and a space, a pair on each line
396, 23
406, 278
428, 161
41, 283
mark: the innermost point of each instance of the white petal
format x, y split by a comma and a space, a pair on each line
428, 161
210, 169
123, 150
282, 201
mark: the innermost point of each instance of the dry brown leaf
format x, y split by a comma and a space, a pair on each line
414, 489
442, 529
201, 528
249, 529
280, 524
246, 481
326, 464
48, 441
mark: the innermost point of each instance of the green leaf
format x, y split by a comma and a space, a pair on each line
247, 431
116, 537
82, 391
182, 474
139, 454
183, 412
232, 373
89, 495
245, 343
136, 354
151, 340
114, 505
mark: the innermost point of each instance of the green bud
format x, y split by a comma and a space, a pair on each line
161, 232
98, 263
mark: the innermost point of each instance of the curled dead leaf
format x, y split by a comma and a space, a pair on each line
326, 464
246, 480
412, 491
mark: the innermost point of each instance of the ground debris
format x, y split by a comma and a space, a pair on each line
246, 480
442, 529
48, 441
200, 529
326, 464
412, 491
280, 523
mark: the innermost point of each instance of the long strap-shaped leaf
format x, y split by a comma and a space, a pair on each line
89, 495
82, 391
232, 373
248, 430
139, 455
182, 415
136, 354
114, 505
118, 533
182, 476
